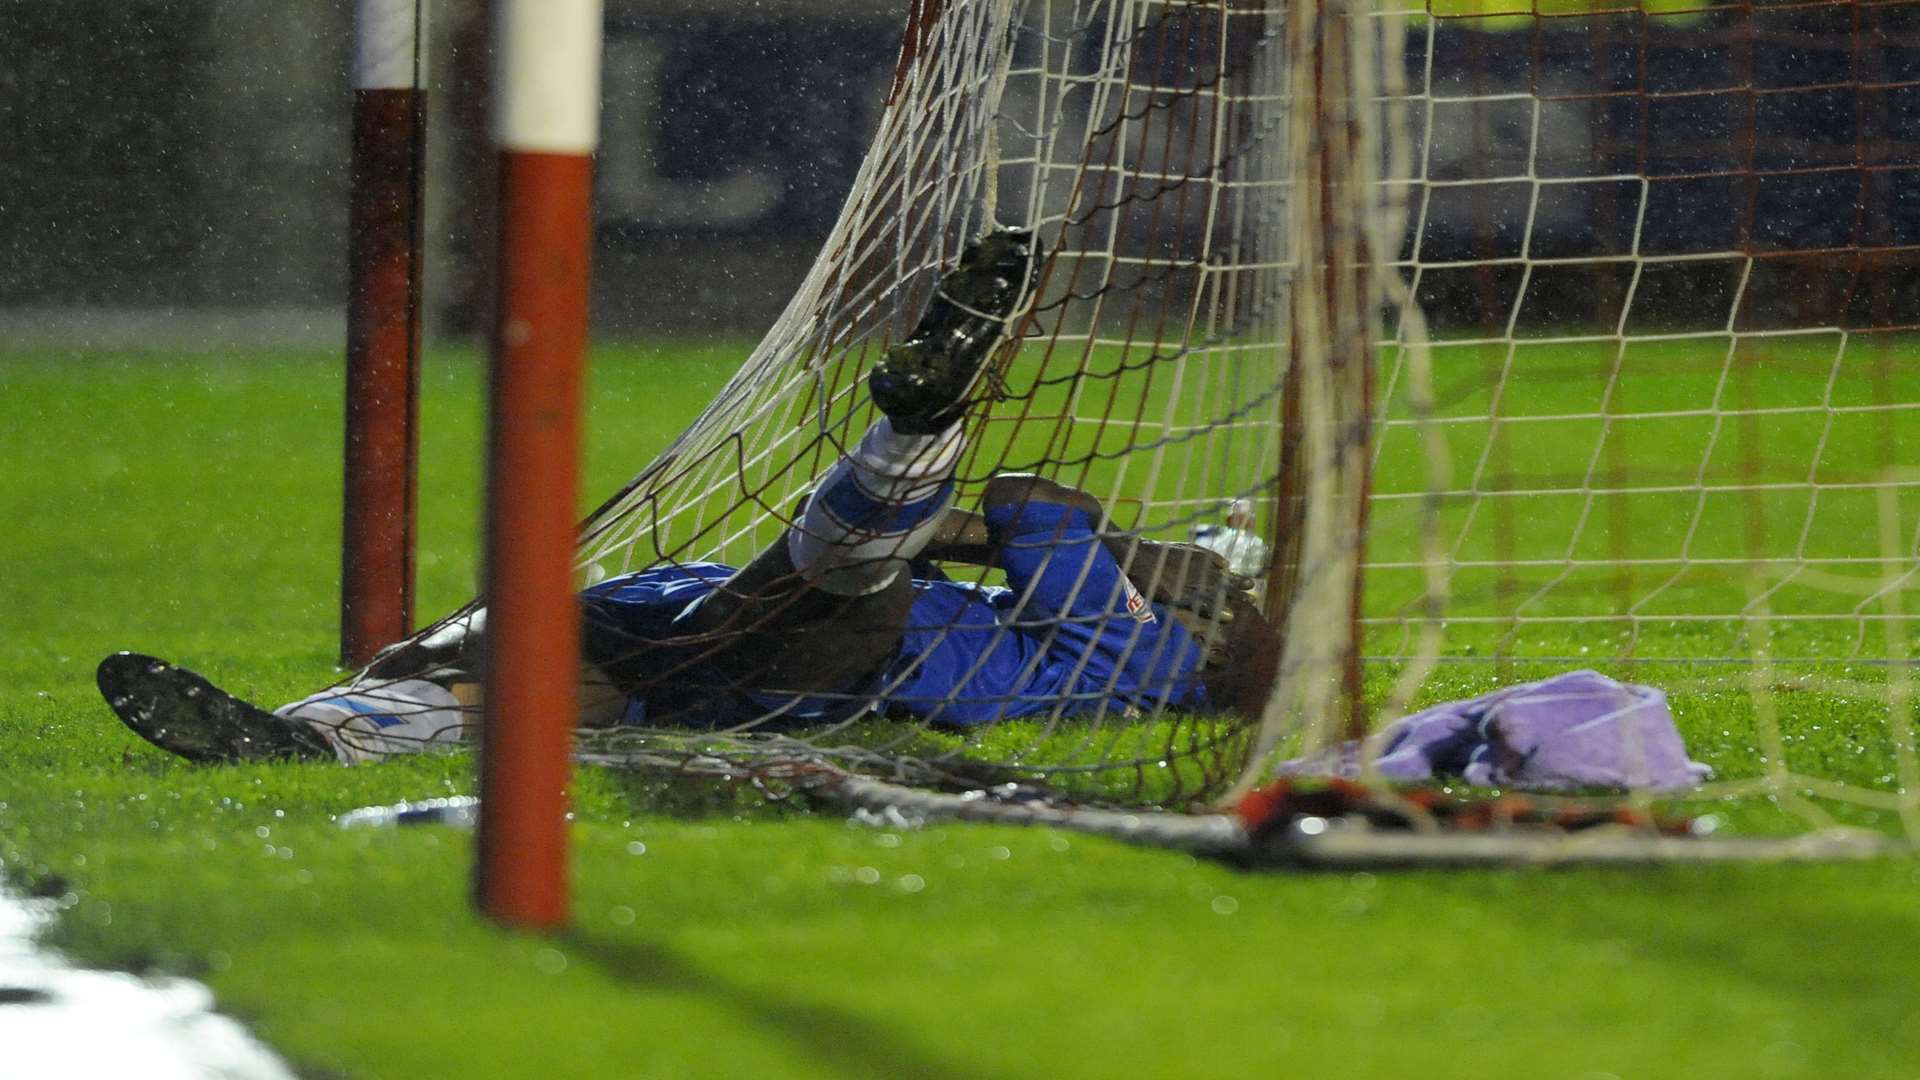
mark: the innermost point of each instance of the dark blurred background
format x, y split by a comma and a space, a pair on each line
175, 170
179, 167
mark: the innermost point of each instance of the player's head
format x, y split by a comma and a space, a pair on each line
1240, 513
1242, 651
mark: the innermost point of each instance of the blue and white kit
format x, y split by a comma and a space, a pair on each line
1067, 632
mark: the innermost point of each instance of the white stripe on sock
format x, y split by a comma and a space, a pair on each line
402, 717
852, 559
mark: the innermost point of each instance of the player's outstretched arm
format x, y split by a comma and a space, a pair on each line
1178, 575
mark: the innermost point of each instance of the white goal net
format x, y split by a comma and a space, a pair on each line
1534, 337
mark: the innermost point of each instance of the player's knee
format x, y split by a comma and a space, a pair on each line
1020, 489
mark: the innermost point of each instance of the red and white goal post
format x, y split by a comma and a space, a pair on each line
384, 281
546, 125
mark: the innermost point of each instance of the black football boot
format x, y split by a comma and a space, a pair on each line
924, 383
178, 711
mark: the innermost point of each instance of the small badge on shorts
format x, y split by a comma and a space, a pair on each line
1137, 605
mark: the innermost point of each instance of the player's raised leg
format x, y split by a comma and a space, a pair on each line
829, 603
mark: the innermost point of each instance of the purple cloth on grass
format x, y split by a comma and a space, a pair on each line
1576, 730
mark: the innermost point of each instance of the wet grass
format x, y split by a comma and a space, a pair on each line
188, 507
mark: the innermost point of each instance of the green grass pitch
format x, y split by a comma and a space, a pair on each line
188, 506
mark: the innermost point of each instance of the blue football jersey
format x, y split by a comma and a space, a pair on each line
1069, 633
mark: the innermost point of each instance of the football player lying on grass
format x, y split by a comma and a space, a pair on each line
833, 619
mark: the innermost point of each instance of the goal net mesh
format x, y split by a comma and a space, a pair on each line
1152, 149
1537, 337
1664, 255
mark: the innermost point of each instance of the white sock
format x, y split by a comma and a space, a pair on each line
875, 509
406, 716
